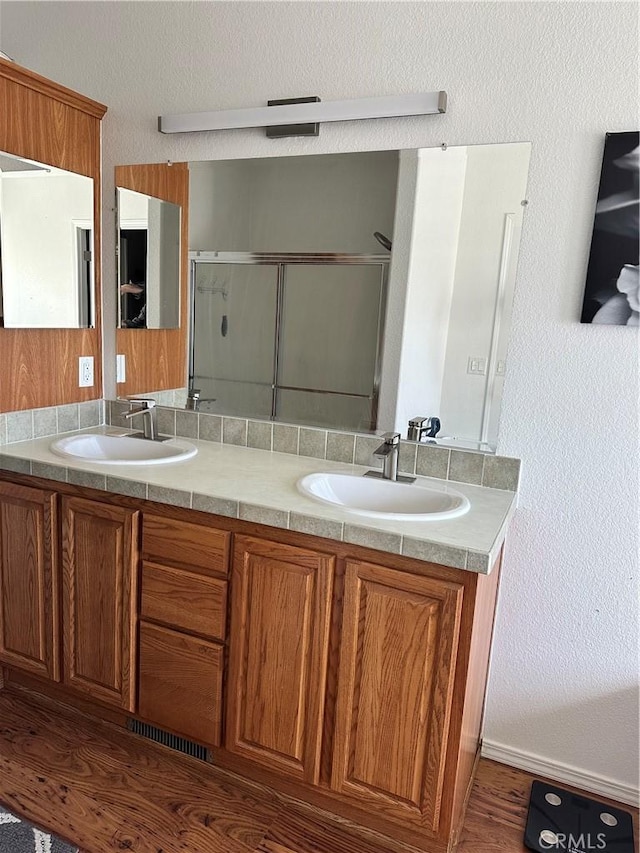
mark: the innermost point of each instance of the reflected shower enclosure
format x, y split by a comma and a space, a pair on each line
289, 337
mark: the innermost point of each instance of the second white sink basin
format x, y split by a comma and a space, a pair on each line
383, 498
122, 449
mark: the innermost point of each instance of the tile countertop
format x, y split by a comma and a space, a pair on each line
260, 486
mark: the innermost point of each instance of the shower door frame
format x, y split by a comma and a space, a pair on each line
281, 260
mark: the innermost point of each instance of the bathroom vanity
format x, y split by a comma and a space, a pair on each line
208, 605
347, 676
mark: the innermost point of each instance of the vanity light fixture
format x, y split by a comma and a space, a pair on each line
301, 111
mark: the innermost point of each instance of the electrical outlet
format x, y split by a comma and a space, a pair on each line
85, 371
121, 368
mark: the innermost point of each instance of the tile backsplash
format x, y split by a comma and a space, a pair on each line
462, 466
37, 423
427, 460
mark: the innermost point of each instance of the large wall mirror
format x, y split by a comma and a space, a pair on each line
356, 291
148, 261
46, 246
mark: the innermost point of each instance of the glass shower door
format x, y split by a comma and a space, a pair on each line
329, 344
234, 334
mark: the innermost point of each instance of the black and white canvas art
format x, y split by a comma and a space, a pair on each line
611, 291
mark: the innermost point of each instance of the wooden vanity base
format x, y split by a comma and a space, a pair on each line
343, 677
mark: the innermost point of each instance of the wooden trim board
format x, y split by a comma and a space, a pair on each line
560, 772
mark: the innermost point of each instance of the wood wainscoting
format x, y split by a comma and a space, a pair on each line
42, 121
156, 359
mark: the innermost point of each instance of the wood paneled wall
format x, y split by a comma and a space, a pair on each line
43, 121
156, 359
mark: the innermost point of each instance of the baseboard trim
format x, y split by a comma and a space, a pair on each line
558, 772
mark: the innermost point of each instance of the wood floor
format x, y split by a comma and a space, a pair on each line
106, 790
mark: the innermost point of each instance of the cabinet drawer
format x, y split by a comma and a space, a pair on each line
181, 683
203, 549
184, 600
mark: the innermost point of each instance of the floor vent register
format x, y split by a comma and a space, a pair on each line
179, 744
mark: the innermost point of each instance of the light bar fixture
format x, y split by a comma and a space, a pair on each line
428, 103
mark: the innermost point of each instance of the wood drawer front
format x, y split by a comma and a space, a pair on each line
184, 600
180, 685
203, 549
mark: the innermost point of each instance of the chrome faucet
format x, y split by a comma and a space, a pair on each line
194, 399
416, 429
388, 452
420, 428
147, 408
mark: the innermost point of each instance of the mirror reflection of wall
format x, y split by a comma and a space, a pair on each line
455, 251
322, 203
148, 261
46, 245
279, 328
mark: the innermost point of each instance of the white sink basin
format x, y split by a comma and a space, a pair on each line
122, 449
383, 498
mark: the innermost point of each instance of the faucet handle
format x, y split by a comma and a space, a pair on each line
392, 438
147, 402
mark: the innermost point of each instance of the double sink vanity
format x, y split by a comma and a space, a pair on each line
244, 591
337, 653
386, 496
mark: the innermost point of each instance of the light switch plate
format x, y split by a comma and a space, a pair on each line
121, 368
477, 366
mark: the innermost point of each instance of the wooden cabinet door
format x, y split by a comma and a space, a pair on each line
29, 610
395, 682
279, 640
99, 564
181, 683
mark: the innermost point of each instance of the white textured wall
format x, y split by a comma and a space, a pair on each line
563, 682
